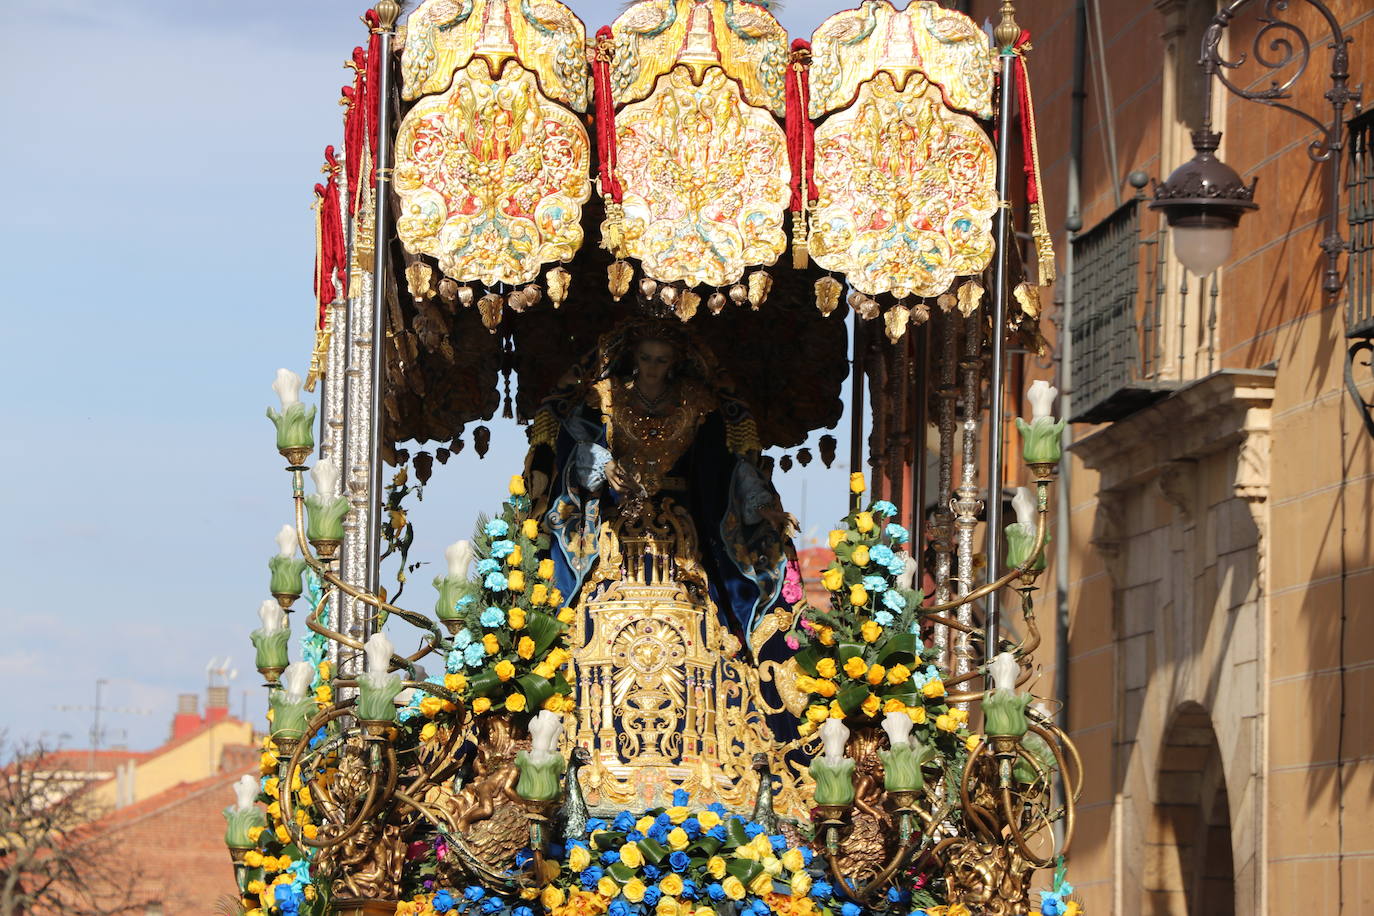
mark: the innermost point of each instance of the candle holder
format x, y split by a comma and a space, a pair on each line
271, 676
295, 456
327, 548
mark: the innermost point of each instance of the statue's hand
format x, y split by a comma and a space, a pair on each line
616, 477
775, 516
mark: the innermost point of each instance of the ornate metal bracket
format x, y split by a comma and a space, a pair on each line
1279, 45
1366, 407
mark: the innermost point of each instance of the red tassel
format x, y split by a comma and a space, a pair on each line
800, 131
373, 70
605, 115
355, 126
1027, 119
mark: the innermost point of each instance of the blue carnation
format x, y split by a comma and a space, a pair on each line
875, 584
881, 554
679, 860
883, 507
497, 528
443, 901
487, 566
897, 533
502, 549
474, 654
474, 892
681, 797
624, 822
493, 616
883, 618
462, 638
715, 891
651, 896
895, 601
495, 581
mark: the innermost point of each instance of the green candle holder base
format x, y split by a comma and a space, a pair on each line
326, 547
295, 456
286, 599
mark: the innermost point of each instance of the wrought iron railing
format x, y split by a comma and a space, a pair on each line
1359, 305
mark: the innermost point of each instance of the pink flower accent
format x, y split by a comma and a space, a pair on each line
792, 642
807, 625
792, 584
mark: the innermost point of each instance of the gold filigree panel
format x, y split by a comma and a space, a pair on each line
653, 36
906, 192
491, 177
852, 47
705, 177
443, 36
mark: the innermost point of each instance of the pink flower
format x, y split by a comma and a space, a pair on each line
792, 642
807, 625
792, 584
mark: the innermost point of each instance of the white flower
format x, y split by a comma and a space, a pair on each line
1004, 670
546, 730
898, 726
288, 388
270, 613
1023, 504
459, 557
298, 677
834, 735
325, 474
1042, 396
286, 541
245, 792
378, 650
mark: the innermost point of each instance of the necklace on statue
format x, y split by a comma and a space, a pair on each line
651, 404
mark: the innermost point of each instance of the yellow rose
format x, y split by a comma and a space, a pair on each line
959, 715
708, 819
801, 884
579, 858
946, 723
806, 684
552, 896
558, 657
855, 667
826, 635
860, 555
837, 536
871, 631
704, 911
256, 886
607, 887
303, 796
555, 597
525, 648
634, 891
490, 643
270, 786
568, 705
805, 729
324, 694
747, 852
456, 682
283, 835
481, 705
516, 581
733, 888
762, 846
565, 615
971, 742
274, 810
835, 711
677, 814
667, 906
545, 570
856, 482
832, 579
762, 884
894, 705
864, 522
876, 675
858, 595
898, 674
517, 486
826, 667
826, 689
544, 669
870, 706
529, 893
553, 703
671, 884
678, 839
504, 669
325, 669
631, 856
516, 618
644, 824
716, 866
310, 831
253, 859
515, 702
917, 714
429, 731
530, 528
515, 557
539, 594
431, 706
772, 865
793, 860
934, 689
254, 833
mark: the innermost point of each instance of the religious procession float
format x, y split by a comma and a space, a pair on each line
661, 250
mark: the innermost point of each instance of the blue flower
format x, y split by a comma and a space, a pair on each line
595, 823
651, 896
610, 857
883, 507
502, 549
897, 533
883, 618
650, 871
462, 638
679, 860
1051, 904
681, 797
807, 854
760, 907
875, 584
487, 566
689, 889
691, 827
895, 601
522, 911
633, 836
716, 808
474, 654
882, 555
497, 528
618, 908
523, 857
659, 833
624, 822
495, 581
850, 909
822, 890
493, 616
1064, 889
590, 876
717, 832
715, 891
897, 895
752, 830
493, 905
474, 892
663, 820
443, 901
778, 842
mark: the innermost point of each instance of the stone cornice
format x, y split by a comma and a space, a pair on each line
1226, 409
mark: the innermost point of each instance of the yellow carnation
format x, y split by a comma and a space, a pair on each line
772, 865
525, 648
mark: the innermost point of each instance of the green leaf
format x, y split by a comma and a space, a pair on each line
654, 852
621, 872
899, 649
744, 869
537, 689
807, 658
734, 830
852, 698
483, 682
605, 841
848, 650
543, 629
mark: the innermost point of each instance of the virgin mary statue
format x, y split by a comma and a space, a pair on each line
673, 547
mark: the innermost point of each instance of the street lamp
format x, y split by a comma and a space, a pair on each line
1204, 199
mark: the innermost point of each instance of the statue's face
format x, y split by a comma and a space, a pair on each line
653, 359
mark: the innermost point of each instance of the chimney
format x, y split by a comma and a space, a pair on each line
187, 719
216, 704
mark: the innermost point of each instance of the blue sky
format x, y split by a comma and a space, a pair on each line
157, 256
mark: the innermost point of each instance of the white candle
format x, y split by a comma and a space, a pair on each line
378, 650
325, 475
1004, 670
546, 729
834, 736
898, 726
286, 541
288, 387
1023, 504
298, 677
272, 617
1042, 396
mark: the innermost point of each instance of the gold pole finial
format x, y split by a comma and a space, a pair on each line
1007, 30
388, 11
